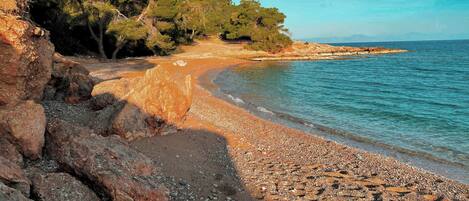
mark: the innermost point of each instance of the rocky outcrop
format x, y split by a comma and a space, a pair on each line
26, 59
12, 175
108, 162
70, 81
60, 187
25, 125
10, 194
160, 95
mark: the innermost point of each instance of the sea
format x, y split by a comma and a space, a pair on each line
412, 106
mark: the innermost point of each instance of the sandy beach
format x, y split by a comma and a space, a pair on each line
223, 152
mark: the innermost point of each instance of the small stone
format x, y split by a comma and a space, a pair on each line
299, 192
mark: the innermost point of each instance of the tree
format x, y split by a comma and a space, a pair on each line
159, 26
263, 26
95, 15
126, 30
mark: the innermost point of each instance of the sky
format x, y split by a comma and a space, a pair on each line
374, 20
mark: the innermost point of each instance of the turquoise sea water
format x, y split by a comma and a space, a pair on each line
416, 101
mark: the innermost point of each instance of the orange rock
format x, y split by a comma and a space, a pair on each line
26, 60
161, 92
398, 190
25, 124
430, 197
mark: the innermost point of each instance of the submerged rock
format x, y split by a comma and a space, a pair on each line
108, 162
25, 125
60, 187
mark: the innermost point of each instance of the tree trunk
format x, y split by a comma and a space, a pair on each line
119, 46
99, 41
192, 34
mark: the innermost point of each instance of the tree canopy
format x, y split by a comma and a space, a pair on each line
143, 27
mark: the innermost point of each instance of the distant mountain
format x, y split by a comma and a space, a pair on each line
403, 37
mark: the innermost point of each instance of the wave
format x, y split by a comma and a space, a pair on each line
264, 110
235, 99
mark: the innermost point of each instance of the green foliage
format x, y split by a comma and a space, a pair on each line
263, 26
159, 26
100, 12
161, 42
127, 29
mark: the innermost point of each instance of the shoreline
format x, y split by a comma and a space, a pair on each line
265, 140
424, 161
263, 159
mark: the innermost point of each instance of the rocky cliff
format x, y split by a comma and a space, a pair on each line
46, 104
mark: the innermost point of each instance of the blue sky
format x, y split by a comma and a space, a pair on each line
375, 20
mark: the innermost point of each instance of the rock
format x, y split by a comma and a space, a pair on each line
137, 107
59, 187
108, 162
26, 58
161, 92
70, 81
131, 123
10, 194
13, 176
25, 125
10, 152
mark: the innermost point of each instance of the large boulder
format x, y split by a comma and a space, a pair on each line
11, 194
70, 81
161, 92
26, 58
13, 176
24, 124
108, 162
60, 187
161, 95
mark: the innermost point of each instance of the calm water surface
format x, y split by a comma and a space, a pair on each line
417, 101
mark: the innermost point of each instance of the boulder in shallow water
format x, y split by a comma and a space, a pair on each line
24, 124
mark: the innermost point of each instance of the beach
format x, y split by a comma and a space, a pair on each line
223, 152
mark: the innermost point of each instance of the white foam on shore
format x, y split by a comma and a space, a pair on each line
262, 109
236, 99
309, 125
